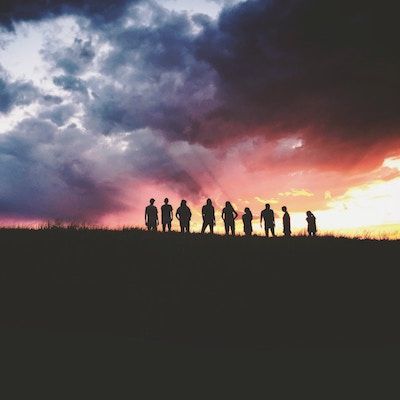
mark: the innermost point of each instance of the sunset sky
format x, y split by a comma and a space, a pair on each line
291, 102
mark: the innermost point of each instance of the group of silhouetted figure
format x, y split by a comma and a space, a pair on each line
229, 215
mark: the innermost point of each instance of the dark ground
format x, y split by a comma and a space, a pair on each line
228, 308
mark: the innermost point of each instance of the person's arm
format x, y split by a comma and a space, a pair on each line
145, 216
273, 217
190, 214
157, 217
177, 214
236, 214
261, 218
171, 213
223, 215
213, 216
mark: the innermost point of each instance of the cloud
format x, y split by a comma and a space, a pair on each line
327, 70
72, 60
265, 201
150, 78
70, 83
264, 69
297, 193
64, 173
15, 93
100, 11
59, 114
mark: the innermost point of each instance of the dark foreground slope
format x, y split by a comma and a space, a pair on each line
206, 290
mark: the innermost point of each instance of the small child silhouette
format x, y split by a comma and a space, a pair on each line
312, 225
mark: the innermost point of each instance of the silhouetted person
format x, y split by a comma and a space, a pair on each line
229, 215
247, 219
184, 216
151, 216
311, 224
267, 215
286, 222
166, 215
208, 214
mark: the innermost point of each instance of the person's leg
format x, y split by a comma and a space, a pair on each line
266, 231
273, 230
226, 228
163, 226
203, 228
233, 228
182, 227
211, 227
169, 226
188, 227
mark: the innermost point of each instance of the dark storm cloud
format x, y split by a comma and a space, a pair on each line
59, 114
99, 11
283, 66
70, 83
45, 175
154, 79
270, 68
74, 59
49, 172
15, 93
49, 99
263, 68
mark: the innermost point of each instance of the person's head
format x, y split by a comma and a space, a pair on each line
247, 210
166, 201
209, 202
183, 203
284, 208
267, 206
228, 204
152, 201
309, 213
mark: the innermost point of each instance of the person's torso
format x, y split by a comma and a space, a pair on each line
228, 212
268, 215
166, 210
208, 212
152, 211
246, 219
184, 212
